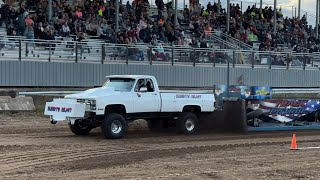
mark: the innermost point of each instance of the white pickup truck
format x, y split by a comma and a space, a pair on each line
125, 98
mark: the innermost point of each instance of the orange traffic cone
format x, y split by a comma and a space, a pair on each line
294, 145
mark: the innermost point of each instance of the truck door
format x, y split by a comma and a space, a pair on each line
145, 98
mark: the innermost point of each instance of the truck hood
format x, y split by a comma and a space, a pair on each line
93, 93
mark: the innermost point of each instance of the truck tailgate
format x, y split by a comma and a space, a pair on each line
61, 109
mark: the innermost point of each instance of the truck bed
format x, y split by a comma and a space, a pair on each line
187, 91
173, 101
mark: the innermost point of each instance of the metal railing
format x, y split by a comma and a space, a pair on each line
235, 41
224, 44
96, 51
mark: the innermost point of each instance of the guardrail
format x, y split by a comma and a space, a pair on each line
97, 51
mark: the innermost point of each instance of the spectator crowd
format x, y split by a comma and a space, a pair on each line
96, 18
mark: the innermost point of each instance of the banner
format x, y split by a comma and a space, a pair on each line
244, 92
287, 110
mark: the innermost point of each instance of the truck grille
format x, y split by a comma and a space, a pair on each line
86, 101
90, 104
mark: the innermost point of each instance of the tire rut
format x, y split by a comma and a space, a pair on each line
49, 159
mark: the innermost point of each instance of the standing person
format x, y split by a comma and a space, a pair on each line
5, 14
160, 5
21, 26
29, 33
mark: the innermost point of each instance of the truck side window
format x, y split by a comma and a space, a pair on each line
149, 85
140, 83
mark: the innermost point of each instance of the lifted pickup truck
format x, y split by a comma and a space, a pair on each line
125, 98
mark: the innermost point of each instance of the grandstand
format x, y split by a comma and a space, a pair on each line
84, 31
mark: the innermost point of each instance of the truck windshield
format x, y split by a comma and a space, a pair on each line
120, 84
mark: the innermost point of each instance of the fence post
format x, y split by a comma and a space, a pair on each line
214, 60
304, 61
149, 55
252, 60
270, 62
76, 49
27, 49
103, 53
194, 59
127, 55
172, 62
312, 58
20, 49
233, 59
287, 61
49, 51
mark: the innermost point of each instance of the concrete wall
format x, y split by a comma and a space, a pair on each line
56, 74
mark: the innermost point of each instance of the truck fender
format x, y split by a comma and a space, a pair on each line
115, 108
196, 109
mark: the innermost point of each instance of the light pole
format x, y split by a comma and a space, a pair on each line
218, 9
275, 17
228, 16
117, 15
175, 14
299, 9
49, 10
317, 19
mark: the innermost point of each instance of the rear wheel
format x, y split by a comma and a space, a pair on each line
113, 127
79, 128
188, 123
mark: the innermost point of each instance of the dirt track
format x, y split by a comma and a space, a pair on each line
32, 148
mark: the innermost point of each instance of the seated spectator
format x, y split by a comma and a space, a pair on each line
65, 31
100, 32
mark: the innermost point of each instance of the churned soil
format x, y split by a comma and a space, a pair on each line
32, 148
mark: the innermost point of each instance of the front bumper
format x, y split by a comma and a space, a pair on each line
65, 109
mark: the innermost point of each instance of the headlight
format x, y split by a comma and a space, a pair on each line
93, 105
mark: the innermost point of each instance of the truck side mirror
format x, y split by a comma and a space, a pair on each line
143, 89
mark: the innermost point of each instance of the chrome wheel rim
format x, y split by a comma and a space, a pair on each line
189, 124
116, 127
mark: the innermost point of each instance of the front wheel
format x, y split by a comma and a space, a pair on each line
79, 128
113, 126
188, 123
